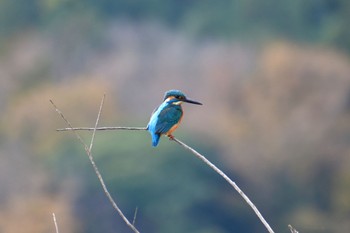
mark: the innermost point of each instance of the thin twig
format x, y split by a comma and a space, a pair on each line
55, 222
71, 127
233, 184
292, 229
97, 120
103, 128
135, 214
88, 152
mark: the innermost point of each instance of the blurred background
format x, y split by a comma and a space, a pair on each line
274, 77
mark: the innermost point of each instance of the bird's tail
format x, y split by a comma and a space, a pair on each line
155, 139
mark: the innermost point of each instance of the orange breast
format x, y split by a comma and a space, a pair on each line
172, 129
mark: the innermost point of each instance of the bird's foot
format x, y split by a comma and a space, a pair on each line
171, 137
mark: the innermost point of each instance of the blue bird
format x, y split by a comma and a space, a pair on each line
167, 117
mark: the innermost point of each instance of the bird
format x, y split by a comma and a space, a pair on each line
166, 118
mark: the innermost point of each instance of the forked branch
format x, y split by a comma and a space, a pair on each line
198, 155
89, 154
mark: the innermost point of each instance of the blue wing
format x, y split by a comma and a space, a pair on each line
167, 118
162, 119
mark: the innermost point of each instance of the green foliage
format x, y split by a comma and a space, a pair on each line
17, 15
321, 21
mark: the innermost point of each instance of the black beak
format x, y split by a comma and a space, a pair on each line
192, 102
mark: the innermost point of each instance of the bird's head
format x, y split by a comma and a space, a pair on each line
177, 97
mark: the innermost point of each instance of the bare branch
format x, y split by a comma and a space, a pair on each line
103, 128
99, 176
135, 214
200, 156
233, 184
55, 222
97, 120
292, 229
70, 127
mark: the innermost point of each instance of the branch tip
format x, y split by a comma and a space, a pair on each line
292, 229
233, 184
55, 222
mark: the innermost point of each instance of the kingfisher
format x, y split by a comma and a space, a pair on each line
166, 118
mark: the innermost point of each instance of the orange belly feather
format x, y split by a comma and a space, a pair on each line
172, 129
